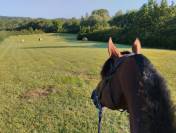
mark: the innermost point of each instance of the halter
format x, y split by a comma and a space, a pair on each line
118, 62
100, 108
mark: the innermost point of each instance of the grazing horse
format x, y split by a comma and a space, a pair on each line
130, 82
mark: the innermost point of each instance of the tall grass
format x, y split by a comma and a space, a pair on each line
4, 35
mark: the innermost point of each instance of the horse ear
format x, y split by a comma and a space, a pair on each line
136, 48
113, 51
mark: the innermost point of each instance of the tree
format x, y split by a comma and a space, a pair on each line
119, 13
101, 13
98, 20
164, 4
72, 26
58, 25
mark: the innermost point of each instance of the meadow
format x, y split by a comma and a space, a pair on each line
45, 85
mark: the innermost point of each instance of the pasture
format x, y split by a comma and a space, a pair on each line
45, 86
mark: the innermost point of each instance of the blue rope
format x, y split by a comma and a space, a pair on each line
99, 119
100, 110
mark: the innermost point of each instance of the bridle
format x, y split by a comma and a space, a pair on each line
107, 79
97, 96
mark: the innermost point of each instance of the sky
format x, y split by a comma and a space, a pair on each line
64, 8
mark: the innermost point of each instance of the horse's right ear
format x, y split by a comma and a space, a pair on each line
136, 48
113, 51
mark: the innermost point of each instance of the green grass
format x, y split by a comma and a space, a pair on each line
4, 34
71, 68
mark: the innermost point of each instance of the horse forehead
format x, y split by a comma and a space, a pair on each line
128, 67
113, 64
126, 61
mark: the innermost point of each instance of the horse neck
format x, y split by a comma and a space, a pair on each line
128, 80
143, 121
143, 117
137, 123
148, 114
134, 115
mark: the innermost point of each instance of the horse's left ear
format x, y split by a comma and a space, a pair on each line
113, 51
136, 48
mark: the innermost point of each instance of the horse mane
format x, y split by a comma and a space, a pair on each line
156, 107
157, 110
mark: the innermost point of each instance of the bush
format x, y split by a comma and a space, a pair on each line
125, 36
102, 35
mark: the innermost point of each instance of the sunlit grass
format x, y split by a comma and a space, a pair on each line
72, 69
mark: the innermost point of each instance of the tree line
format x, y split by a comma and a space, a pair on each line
154, 23
44, 25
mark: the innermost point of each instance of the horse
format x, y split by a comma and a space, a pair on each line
129, 82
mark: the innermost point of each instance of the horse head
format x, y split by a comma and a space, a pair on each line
109, 91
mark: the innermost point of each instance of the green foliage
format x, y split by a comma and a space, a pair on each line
58, 23
101, 14
164, 4
71, 26
119, 13
101, 35
11, 23
45, 25
153, 23
98, 20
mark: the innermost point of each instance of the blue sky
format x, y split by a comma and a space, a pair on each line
64, 8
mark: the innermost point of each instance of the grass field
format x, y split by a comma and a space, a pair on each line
45, 86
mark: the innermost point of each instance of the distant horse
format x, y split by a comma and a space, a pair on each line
130, 82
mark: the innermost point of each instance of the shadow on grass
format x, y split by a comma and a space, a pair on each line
74, 46
54, 47
71, 39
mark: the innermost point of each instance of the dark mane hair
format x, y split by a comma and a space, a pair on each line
107, 67
156, 106
158, 114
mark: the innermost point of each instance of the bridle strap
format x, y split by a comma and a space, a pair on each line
100, 111
99, 119
119, 61
100, 108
